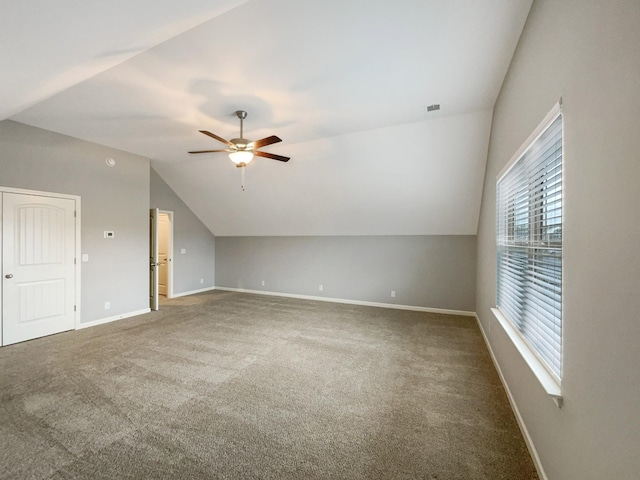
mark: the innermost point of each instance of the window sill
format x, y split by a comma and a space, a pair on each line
548, 382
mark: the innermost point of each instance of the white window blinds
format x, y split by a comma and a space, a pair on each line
529, 245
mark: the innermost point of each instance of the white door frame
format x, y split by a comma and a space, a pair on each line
169, 213
154, 223
77, 256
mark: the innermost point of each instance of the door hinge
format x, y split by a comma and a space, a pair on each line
75, 261
75, 214
74, 308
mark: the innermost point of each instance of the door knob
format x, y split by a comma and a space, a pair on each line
9, 275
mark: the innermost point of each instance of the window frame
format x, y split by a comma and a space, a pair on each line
535, 217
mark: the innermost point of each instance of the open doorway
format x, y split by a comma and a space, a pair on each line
161, 257
165, 234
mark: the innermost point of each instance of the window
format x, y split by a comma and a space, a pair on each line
529, 243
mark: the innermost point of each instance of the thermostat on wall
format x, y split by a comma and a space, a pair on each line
109, 234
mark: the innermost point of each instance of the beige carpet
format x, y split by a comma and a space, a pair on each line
236, 386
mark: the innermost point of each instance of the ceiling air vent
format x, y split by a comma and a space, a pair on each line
433, 108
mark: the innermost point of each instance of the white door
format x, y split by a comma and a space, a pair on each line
153, 259
38, 266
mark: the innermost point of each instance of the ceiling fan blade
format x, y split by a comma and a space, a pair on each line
266, 141
272, 156
220, 139
211, 151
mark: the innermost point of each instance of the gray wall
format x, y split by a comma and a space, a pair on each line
426, 271
112, 199
586, 52
188, 233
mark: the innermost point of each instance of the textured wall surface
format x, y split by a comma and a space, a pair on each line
112, 198
587, 53
426, 271
190, 234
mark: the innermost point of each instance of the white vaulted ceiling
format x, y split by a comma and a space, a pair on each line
343, 83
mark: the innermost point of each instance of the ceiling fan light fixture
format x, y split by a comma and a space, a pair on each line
241, 151
241, 156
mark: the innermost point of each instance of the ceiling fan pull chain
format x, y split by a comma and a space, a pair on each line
242, 177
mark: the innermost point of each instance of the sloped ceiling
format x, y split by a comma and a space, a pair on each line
343, 83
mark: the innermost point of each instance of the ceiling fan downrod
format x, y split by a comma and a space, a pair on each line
241, 114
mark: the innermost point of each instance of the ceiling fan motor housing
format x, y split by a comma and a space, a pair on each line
242, 143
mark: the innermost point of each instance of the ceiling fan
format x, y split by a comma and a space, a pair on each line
241, 150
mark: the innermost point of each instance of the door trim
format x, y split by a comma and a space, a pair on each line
77, 255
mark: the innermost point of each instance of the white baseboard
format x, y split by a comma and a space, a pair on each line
352, 302
523, 428
100, 321
192, 292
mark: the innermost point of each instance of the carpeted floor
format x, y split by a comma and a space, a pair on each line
236, 386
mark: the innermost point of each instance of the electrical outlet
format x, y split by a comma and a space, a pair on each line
320, 287
107, 305
263, 283
393, 294
201, 281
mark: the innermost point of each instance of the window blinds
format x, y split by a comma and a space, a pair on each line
529, 245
